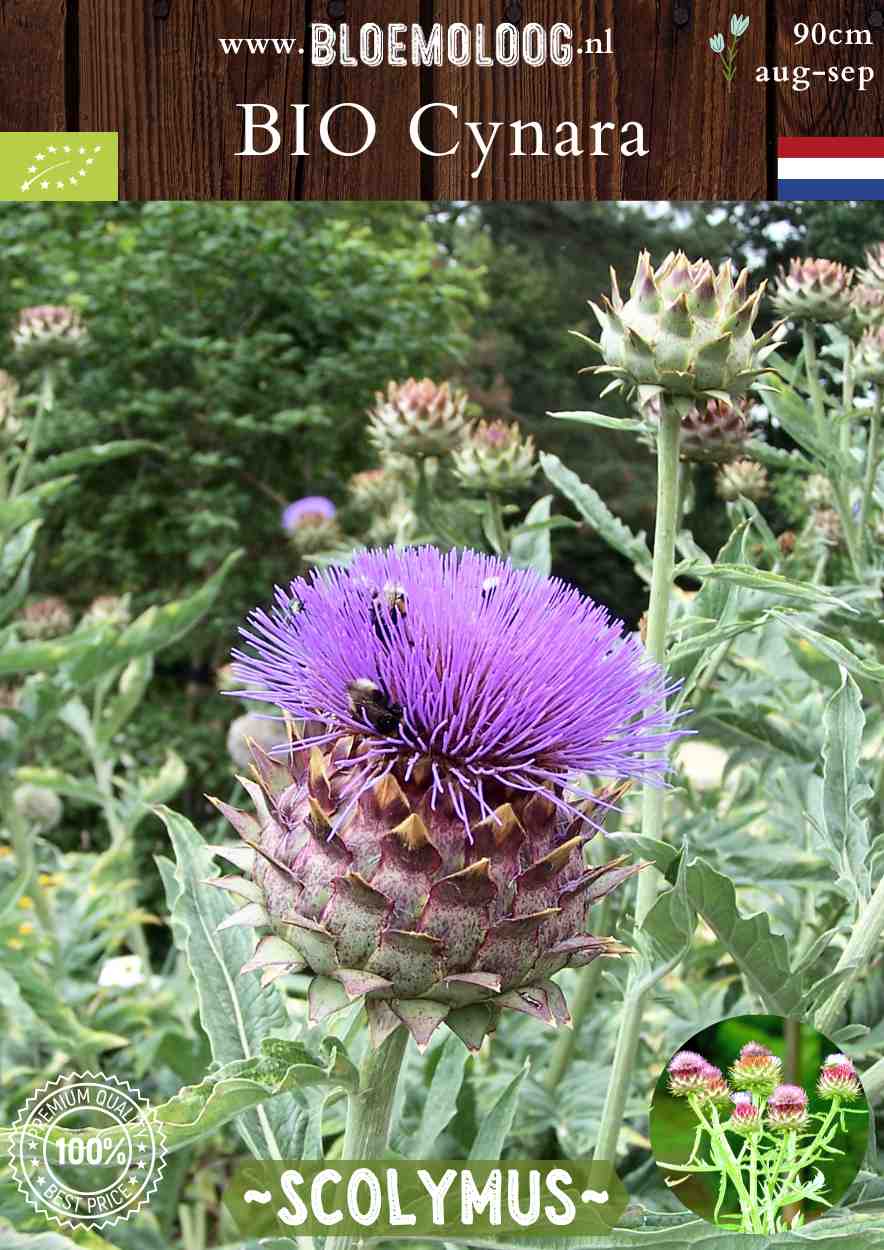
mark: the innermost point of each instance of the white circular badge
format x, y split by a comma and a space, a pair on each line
86, 1150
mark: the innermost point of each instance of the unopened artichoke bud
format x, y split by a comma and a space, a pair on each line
818, 491
743, 478
48, 330
813, 290
838, 1079
46, 618
393, 528
787, 1108
873, 273
689, 1073
374, 490
418, 418
716, 1091
266, 732
40, 809
867, 308
868, 359
422, 846
686, 331
787, 541
745, 1115
757, 1069
311, 525
827, 524
108, 610
713, 431
495, 457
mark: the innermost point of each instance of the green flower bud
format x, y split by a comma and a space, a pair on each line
813, 290
495, 457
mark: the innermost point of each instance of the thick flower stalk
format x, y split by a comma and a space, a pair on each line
495, 458
685, 331
813, 289
418, 419
421, 846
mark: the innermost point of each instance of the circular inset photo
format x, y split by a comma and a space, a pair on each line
759, 1124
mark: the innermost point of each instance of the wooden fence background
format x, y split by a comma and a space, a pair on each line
154, 71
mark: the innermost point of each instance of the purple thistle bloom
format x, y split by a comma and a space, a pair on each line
311, 510
495, 675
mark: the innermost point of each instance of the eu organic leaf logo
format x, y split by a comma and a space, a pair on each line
58, 166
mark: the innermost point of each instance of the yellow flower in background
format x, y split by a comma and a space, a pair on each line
26, 902
49, 880
15, 944
4, 851
25, 929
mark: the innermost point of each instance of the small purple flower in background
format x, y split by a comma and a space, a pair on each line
497, 676
311, 510
738, 27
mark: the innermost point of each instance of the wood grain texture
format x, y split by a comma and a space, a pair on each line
32, 48
826, 108
391, 170
154, 71
706, 139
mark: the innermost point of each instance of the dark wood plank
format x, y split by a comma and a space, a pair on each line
391, 168
703, 138
707, 139
827, 109
32, 52
155, 72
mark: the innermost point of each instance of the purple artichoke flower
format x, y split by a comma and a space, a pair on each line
311, 510
422, 844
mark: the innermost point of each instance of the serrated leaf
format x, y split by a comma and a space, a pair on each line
761, 955
845, 789
666, 932
749, 578
596, 512
602, 420
869, 669
236, 1013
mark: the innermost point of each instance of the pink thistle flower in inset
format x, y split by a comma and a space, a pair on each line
787, 1107
838, 1079
717, 1090
758, 1069
745, 1114
689, 1073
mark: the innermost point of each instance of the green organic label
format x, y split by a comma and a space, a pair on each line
434, 1199
55, 165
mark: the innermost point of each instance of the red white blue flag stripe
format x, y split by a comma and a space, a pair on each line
830, 169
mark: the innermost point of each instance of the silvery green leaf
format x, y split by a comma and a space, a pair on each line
495, 1126
530, 547
440, 1105
599, 516
845, 790
236, 1013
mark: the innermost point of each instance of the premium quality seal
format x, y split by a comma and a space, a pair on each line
86, 1151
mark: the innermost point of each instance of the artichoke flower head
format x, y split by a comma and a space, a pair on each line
420, 843
685, 333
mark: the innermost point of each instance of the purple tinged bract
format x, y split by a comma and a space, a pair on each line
495, 675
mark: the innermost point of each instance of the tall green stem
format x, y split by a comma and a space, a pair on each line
45, 405
856, 957
637, 988
370, 1110
818, 400
872, 457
